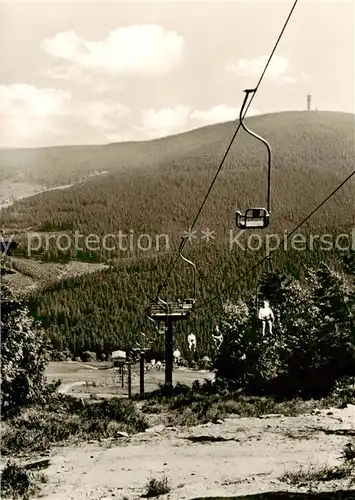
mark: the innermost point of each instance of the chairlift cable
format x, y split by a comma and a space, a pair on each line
267, 257
183, 241
180, 249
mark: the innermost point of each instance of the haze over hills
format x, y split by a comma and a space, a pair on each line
53, 166
156, 188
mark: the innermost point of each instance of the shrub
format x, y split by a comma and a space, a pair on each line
349, 452
17, 482
89, 356
25, 353
65, 418
312, 344
157, 487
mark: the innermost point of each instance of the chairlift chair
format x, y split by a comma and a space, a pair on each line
161, 309
189, 302
162, 329
159, 326
255, 218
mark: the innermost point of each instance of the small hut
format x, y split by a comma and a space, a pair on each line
118, 358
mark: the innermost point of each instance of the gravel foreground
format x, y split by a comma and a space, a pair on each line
236, 457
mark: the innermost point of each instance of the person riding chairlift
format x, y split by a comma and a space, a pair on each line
217, 338
191, 338
266, 316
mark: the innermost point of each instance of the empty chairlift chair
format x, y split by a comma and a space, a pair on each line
181, 308
255, 218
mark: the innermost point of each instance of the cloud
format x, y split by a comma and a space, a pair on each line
104, 116
35, 116
305, 77
28, 112
127, 136
165, 121
218, 114
96, 83
63, 72
147, 49
279, 69
37, 102
156, 123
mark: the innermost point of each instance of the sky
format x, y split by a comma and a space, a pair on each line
99, 72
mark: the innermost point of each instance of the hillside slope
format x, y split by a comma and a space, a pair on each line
312, 153
159, 194
53, 166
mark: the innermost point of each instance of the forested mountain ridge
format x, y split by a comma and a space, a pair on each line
61, 165
311, 153
158, 192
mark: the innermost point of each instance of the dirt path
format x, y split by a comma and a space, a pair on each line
250, 457
65, 388
88, 367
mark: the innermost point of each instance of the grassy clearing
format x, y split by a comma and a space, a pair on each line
107, 380
33, 273
66, 420
313, 475
202, 403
